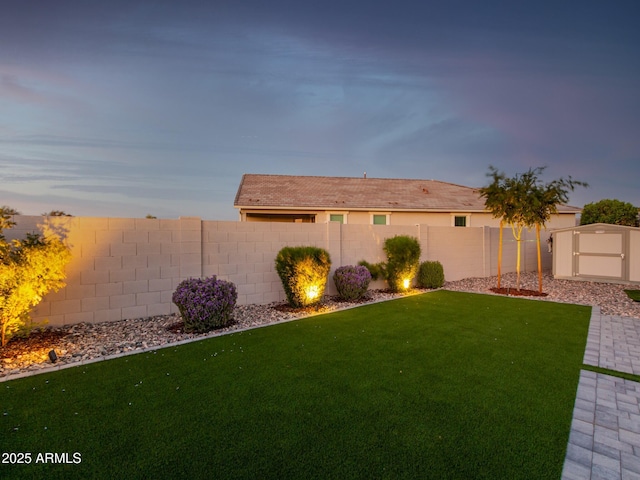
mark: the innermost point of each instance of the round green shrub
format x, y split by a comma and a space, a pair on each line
205, 304
303, 272
403, 259
352, 281
430, 275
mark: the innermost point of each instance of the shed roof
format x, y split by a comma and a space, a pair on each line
597, 227
346, 193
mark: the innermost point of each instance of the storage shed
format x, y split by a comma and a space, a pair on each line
599, 252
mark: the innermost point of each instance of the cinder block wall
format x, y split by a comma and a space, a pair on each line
129, 268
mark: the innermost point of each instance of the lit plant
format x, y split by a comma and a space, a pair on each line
403, 259
303, 272
205, 304
29, 269
352, 281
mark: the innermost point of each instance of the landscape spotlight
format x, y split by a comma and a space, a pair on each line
52, 356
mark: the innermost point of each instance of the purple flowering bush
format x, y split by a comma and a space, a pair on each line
205, 304
352, 281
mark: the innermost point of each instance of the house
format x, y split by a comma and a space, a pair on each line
362, 200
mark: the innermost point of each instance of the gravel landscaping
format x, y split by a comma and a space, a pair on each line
88, 342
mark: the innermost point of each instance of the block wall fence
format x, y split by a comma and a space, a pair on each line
124, 268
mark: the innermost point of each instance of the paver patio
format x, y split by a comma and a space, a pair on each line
604, 442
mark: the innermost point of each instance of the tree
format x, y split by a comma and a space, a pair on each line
543, 203
29, 269
524, 201
495, 195
6, 213
56, 213
614, 212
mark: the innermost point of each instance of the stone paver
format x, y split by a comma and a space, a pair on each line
604, 442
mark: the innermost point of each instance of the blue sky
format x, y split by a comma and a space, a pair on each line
125, 108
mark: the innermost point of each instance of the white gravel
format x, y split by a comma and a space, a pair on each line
86, 342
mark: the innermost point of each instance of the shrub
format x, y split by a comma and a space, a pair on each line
303, 272
376, 270
351, 281
29, 269
403, 257
205, 304
430, 275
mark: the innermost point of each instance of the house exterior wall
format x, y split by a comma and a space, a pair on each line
125, 268
436, 219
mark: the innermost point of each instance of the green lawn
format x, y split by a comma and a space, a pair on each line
439, 385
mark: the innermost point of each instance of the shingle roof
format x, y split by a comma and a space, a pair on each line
344, 193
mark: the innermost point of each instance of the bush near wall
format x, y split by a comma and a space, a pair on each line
430, 275
29, 268
403, 259
352, 281
303, 272
205, 304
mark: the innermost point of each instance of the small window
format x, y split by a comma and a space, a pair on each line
336, 217
379, 219
460, 221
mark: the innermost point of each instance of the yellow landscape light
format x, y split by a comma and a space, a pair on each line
312, 292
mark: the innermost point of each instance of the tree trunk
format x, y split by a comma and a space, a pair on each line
500, 253
539, 258
517, 234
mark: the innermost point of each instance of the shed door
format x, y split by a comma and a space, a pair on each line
600, 254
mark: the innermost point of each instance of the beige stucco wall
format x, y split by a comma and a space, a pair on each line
435, 219
129, 268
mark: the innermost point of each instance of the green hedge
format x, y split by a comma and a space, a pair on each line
430, 275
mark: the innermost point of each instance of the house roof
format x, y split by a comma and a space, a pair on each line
348, 193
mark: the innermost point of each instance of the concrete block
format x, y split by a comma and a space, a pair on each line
147, 273
108, 289
123, 249
136, 236
107, 263
134, 312
148, 298
121, 224
160, 260
160, 284
158, 309
123, 275
111, 315
80, 317
135, 261
122, 301
135, 286
91, 277
65, 307
92, 250
148, 249
80, 291
160, 236
170, 272
94, 304
147, 224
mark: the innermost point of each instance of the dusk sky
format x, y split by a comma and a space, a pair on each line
128, 108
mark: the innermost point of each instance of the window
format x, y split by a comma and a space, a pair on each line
379, 219
459, 221
336, 217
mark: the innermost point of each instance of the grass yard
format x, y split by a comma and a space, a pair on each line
633, 295
440, 385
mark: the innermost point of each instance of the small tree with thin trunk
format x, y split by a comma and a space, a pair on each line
523, 201
495, 195
544, 199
